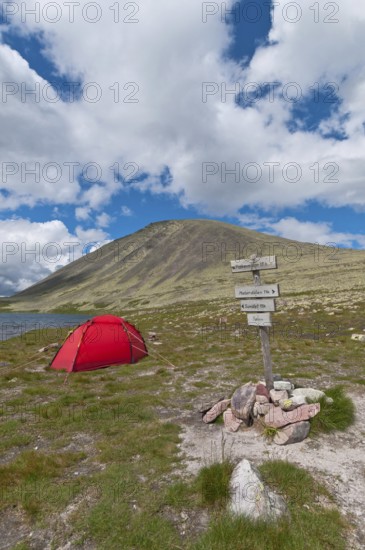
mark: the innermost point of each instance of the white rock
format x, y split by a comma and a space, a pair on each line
308, 393
358, 337
282, 385
250, 497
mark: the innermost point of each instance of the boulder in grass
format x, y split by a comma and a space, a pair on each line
277, 418
216, 410
242, 402
250, 497
231, 422
276, 395
358, 337
293, 433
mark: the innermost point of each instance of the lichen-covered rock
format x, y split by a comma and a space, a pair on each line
250, 497
242, 402
292, 402
293, 433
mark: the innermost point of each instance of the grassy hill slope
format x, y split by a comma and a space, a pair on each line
188, 260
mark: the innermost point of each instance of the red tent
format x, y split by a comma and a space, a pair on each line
100, 342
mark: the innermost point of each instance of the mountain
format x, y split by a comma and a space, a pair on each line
185, 260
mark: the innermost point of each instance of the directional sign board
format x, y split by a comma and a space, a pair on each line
258, 305
260, 291
259, 319
256, 264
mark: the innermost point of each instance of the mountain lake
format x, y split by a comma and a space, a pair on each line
19, 324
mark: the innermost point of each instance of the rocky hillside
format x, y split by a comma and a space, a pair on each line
184, 260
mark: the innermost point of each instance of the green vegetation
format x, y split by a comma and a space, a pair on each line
213, 484
269, 432
183, 260
338, 415
310, 511
104, 447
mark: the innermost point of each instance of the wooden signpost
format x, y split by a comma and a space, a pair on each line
256, 264
259, 319
263, 291
257, 305
258, 299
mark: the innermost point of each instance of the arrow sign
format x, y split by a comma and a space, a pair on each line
256, 264
262, 291
259, 319
258, 305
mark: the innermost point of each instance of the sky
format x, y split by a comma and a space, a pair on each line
116, 115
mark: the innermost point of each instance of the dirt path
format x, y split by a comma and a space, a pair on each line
336, 459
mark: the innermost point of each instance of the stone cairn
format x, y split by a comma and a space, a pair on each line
284, 409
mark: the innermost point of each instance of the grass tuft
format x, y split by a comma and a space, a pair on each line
338, 415
213, 483
269, 432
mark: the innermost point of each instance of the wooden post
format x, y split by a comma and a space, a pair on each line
265, 343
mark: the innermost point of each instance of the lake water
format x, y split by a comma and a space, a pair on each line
19, 324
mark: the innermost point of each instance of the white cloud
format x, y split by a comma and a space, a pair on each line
304, 231
82, 213
126, 211
168, 55
103, 220
31, 251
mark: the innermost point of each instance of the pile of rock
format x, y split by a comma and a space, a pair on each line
284, 409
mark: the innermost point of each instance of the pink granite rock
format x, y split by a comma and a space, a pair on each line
293, 433
277, 418
205, 407
277, 395
261, 390
231, 422
216, 410
262, 399
264, 408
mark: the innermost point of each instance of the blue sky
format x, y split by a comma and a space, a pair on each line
253, 117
